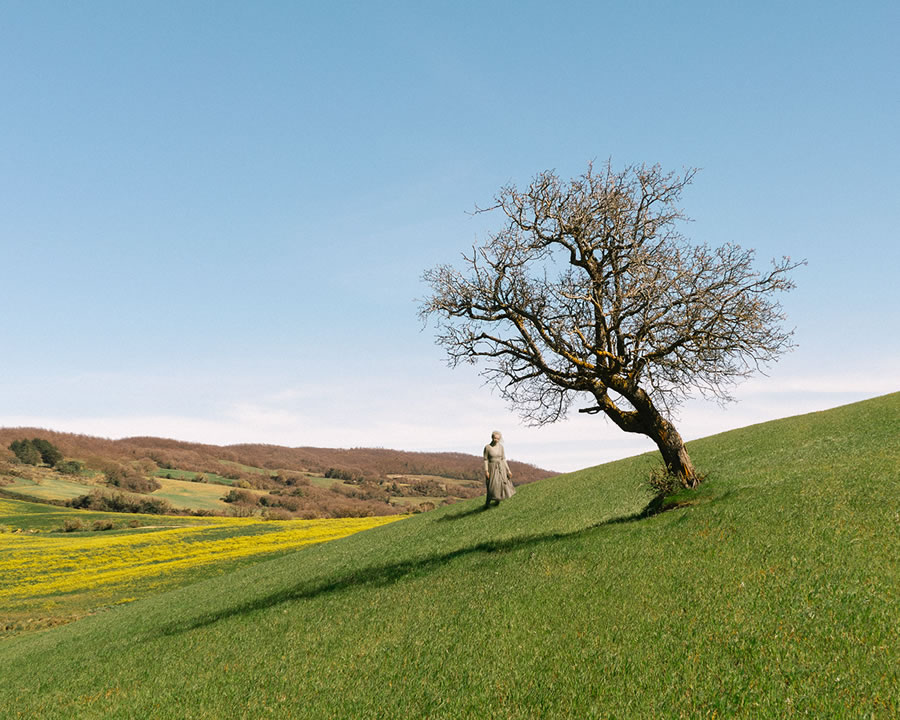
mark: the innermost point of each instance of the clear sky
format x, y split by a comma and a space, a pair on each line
214, 216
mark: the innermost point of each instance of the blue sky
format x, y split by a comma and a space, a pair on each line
214, 216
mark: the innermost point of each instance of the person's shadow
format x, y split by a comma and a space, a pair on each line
459, 515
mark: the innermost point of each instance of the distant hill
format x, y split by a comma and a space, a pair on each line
303, 481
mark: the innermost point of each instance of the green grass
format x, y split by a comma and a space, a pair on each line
246, 468
189, 475
186, 495
324, 482
48, 487
30, 516
414, 502
773, 591
182, 494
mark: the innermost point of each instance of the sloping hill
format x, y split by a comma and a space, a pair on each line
773, 591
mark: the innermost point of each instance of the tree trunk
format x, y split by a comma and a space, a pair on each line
675, 455
667, 439
645, 419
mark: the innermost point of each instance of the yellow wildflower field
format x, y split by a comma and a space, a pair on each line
34, 566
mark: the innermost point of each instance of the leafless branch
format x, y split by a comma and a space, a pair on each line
589, 287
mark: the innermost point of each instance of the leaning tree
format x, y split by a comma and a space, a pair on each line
589, 291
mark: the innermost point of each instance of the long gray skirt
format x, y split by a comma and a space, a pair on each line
499, 486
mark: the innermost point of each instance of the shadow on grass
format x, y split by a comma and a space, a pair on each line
383, 575
463, 513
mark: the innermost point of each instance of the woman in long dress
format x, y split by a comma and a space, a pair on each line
497, 475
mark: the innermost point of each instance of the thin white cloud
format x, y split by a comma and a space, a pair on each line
455, 414
872, 383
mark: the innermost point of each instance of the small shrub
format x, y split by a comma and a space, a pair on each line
288, 503
70, 467
425, 488
96, 500
662, 482
127, 479
239, 496
146, 466
152, 506
103, 524
72, 525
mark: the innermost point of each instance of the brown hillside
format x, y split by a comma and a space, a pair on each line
371, 462
322, 482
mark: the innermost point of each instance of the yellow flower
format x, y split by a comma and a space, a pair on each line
33, 566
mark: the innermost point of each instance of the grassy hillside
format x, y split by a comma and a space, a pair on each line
773, 591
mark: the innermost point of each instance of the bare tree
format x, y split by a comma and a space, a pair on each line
590, 291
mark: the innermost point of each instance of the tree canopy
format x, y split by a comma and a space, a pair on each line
36, 451
589, 292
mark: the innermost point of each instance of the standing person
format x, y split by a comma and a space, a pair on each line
497, 475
